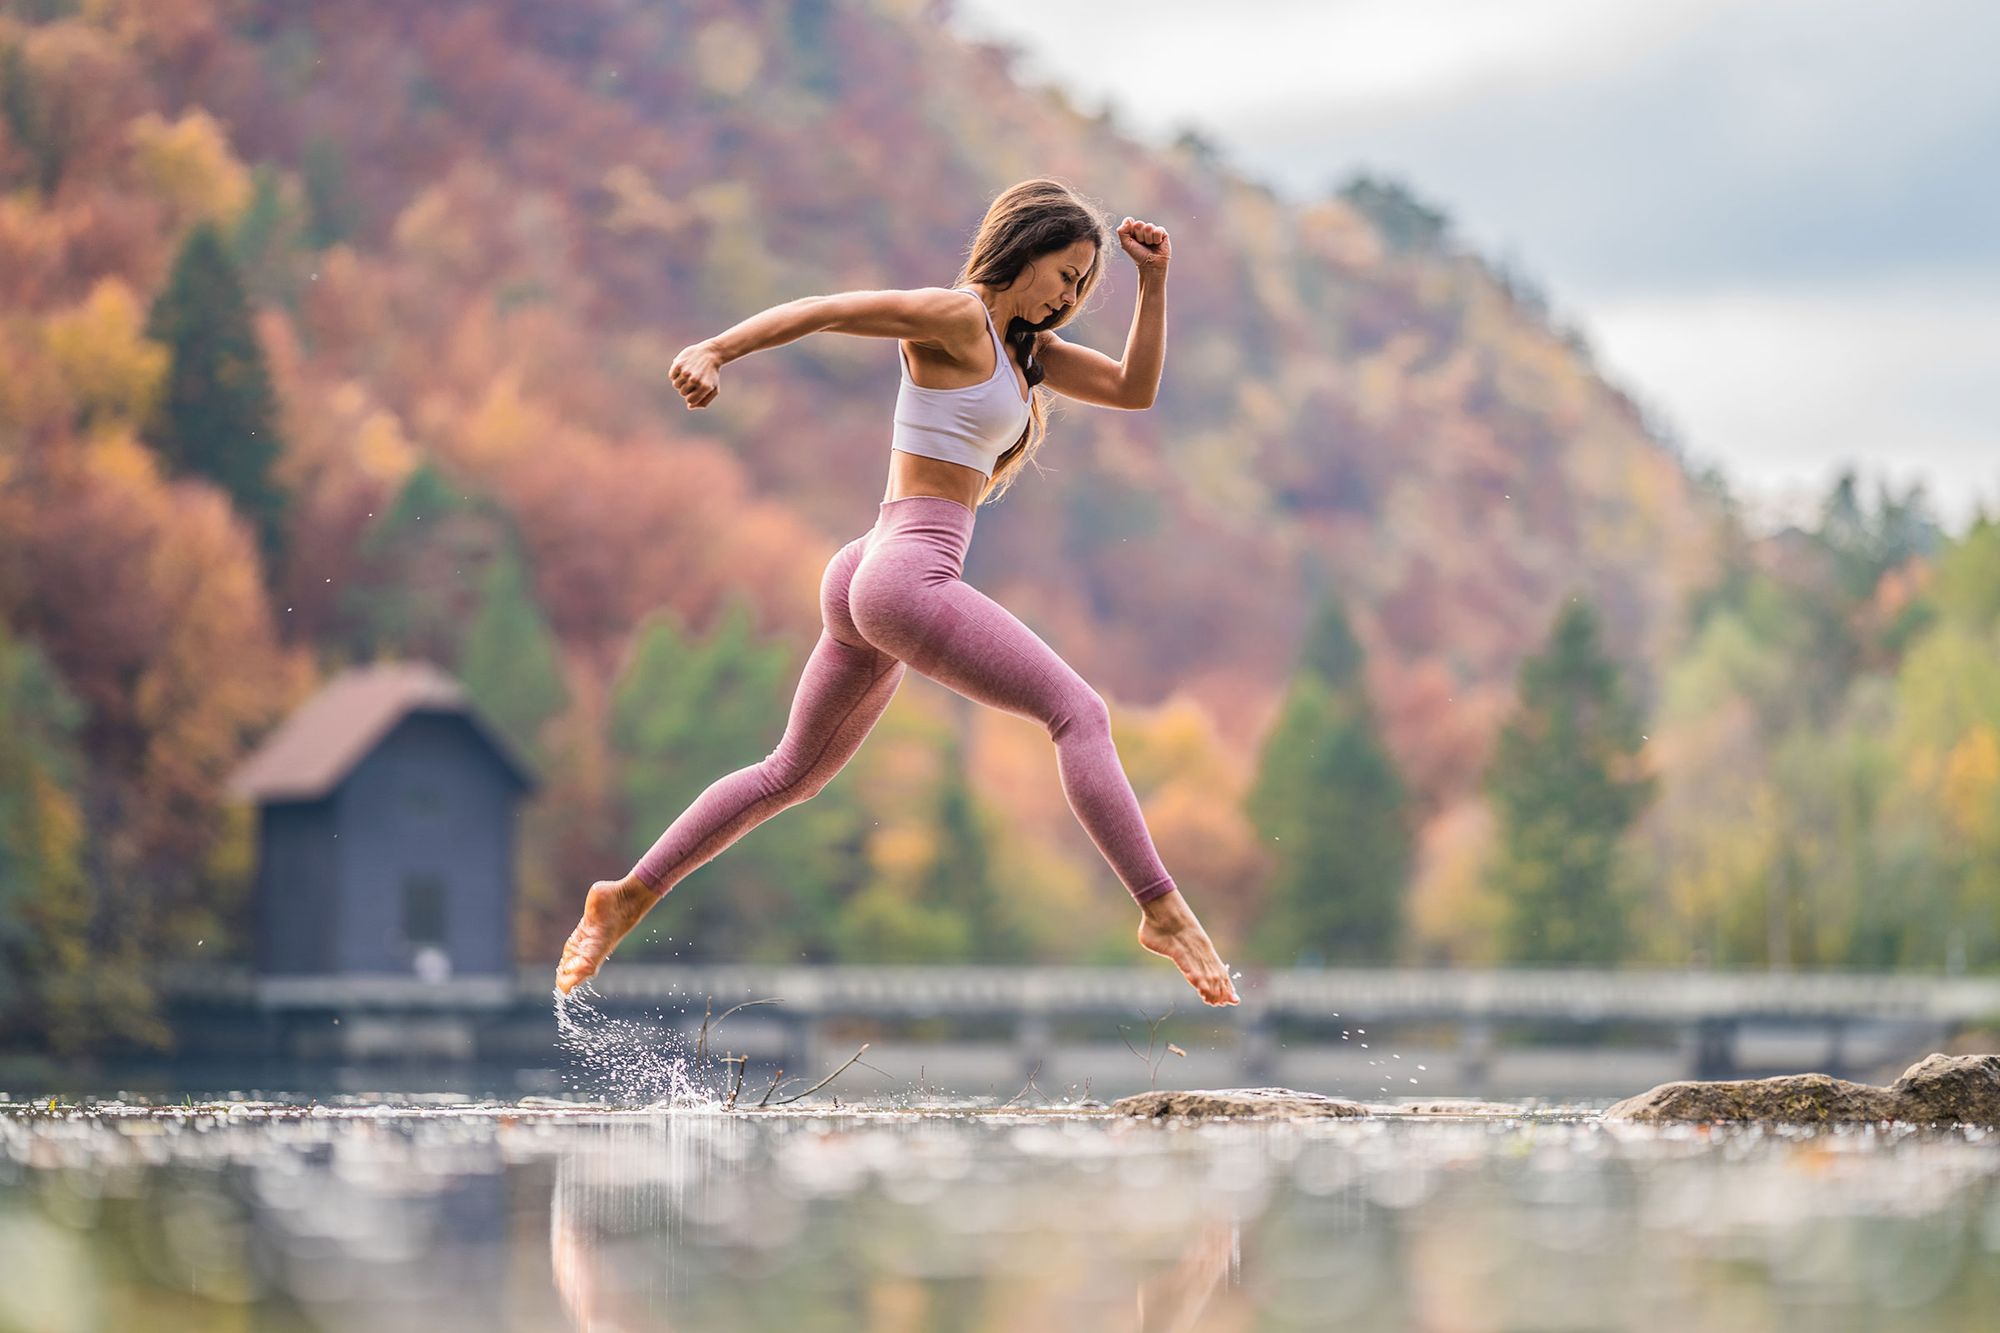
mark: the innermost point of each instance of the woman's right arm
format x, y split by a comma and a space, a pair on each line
933, 316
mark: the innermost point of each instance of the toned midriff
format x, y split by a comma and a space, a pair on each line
913, 474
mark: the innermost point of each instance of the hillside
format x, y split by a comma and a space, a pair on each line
476, 234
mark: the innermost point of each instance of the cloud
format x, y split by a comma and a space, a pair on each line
1779, 220
1779, 139
1347, 55
1603, 146
1785, 387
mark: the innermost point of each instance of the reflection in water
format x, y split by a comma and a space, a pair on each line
1173, 1301
500, 1218
645, 1219
622, 1195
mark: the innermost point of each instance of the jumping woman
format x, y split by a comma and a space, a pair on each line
968, 420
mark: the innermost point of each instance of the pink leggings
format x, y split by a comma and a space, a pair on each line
893, 597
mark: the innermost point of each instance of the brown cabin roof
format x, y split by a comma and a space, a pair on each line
312, 750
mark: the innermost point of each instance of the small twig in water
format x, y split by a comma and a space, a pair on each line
823, 1082
1025, 1086
701, 1044
1152, 1039
745, 1005
773, 1088
742, 1062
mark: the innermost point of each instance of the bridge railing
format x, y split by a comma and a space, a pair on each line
1380, 994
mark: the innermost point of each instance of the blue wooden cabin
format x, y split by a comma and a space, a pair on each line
385, 831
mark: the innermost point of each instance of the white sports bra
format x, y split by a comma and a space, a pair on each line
972, 426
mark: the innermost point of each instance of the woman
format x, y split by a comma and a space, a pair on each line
967, 421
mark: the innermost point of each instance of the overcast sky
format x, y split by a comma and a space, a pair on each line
1778, 221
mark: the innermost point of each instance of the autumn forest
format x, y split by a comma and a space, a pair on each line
332, 334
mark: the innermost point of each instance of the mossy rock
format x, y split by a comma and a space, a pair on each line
1939, 1089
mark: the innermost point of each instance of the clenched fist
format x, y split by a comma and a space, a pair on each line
697, 373
1148, 245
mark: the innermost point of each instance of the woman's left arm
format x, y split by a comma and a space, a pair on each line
1132, 383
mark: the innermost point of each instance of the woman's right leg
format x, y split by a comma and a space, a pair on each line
842, 693
845, 687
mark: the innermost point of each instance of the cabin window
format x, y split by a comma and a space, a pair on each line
423, 911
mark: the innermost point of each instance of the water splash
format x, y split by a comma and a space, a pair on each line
630, 1060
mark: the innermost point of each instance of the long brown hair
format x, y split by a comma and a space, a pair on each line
1029, 220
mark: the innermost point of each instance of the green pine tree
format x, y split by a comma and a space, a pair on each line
1566, 785
47, 996
38, 122
424, 565
1331, 808
331, 211
219, 417
511, 667
960, 881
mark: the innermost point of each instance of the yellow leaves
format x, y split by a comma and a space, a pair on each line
637, 206
216, 669
727, 57
58, 828
903, 852
119, 457
1176, 742
1191, 787
189, 164
1970, 786
1337, 232
113, 372
1453, 912
433, 229
1949, 683
504, 424
232, 857
724, 203
382, 450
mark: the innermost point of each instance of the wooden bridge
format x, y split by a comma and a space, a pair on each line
1706, 1012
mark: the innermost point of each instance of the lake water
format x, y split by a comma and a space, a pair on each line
446, 1214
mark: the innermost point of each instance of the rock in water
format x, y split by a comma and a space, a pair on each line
1236, 1103
1963, 1089
1937, 1089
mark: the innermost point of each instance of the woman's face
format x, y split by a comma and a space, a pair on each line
1048, 285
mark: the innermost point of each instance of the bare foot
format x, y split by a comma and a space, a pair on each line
1170, 930
610, 910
